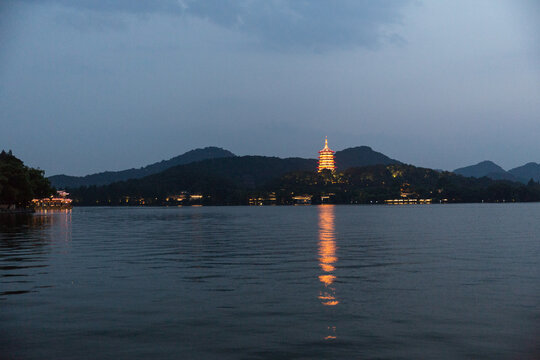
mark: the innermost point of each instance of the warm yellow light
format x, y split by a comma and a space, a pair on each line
327, 267
331, 303
327, 279
327, 254
326, 158
327, 260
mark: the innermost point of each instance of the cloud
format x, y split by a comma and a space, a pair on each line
316, 25
303, 24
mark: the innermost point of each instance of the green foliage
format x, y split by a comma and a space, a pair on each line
19, 183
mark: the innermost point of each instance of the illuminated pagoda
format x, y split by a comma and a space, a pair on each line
326, 158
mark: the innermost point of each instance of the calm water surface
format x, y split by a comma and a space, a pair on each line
314, 282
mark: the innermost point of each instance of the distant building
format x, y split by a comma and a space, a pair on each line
326, 158
267, 199
405, 201
60, 201
327, 198
302, 199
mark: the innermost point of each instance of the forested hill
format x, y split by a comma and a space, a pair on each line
526, 172
361, 156
493, 171
244, 171
377, 183
486, 168
20, 183
219, 179
351, 157
108, 177
233, 181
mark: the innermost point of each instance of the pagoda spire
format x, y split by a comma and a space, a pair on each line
326, 158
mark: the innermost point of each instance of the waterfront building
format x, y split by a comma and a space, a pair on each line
302, 199
326, 158
266, 199
406, 201
60, 201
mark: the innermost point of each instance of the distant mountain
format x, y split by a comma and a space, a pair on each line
526, 172
486, 168
245, 171
361, 156
239, 180
351, 157
222, 180
108, 177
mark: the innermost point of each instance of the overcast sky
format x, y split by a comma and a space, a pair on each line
88, 86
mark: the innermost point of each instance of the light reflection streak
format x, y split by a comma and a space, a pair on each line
327, 254
60, 219
327, 260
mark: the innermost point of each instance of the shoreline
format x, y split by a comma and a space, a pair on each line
17, 211
305, 205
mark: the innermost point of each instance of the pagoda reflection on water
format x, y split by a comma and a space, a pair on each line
326, 158
327, 261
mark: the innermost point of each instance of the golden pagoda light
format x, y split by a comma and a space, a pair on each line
326, 158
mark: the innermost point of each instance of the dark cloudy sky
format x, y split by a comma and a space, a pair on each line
87, 86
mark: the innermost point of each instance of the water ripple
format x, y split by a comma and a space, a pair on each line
375, 282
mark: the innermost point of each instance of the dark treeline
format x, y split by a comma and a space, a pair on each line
234, 181
374, 184
226, 181
20, 183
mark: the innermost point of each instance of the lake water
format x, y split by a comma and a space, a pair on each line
312, 282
